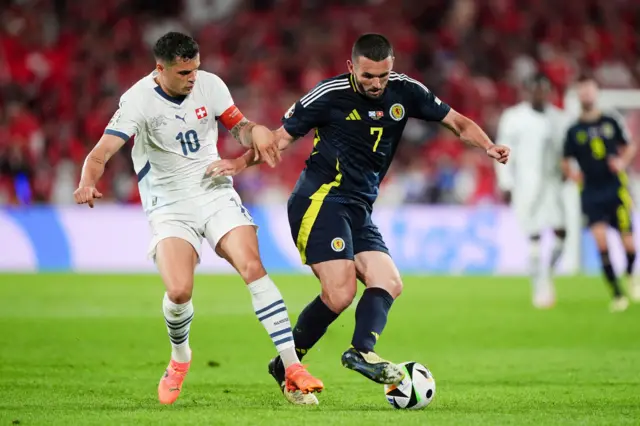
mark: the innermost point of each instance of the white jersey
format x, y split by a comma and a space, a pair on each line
533, 173
536, 140
175, 138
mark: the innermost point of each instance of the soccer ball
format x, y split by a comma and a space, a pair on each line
415, 391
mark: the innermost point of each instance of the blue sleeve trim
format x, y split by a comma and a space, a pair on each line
118, 134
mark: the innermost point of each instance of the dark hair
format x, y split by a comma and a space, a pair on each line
585, 77
175, 45
539, 79
372, 46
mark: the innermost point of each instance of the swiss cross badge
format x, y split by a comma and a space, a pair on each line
201, 112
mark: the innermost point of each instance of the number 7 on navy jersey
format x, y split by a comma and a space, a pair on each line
379, 131
189, 141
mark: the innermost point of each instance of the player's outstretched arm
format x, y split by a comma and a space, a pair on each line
93, 168
259, 138
231, 167
469, 132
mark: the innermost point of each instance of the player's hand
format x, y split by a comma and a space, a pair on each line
577, 177
265, 145
86, 195
615, 164
226, 167
500, 153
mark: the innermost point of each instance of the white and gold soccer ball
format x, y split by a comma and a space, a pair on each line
415, 391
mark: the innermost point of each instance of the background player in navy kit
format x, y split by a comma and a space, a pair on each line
601, 146
358, 119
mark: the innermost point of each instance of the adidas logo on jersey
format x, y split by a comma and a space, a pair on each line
353, 115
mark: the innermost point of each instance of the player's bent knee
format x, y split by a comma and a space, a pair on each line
176, 259
179, 293
339, 298
338, 280
251, 270
179, 288
394, 287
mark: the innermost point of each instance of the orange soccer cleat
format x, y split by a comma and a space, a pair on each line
171, 382
298, 378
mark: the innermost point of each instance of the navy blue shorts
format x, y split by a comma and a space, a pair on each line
614, 211
326, 230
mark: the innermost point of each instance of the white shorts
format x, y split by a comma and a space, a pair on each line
545, 212
210, 217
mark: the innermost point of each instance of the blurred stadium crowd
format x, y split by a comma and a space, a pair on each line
64, 64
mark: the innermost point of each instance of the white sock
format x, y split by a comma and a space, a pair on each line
272, 313
558, 246
178, 319
534, 264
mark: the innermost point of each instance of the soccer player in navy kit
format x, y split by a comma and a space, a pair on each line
601, 146
358, 119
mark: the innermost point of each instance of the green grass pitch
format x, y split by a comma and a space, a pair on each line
89, 350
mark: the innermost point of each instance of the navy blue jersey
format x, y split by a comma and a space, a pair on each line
355, 137
591, 143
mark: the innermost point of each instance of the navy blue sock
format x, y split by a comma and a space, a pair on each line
371, 317
610, 274
312, 323
631, 259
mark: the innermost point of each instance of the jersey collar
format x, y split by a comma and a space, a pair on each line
353, 83
173, 99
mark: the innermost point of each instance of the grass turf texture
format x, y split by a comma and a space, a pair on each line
90, 349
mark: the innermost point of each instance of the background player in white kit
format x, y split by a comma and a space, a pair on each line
532, 180
174, 117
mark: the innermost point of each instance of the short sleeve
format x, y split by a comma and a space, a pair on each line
424, 104
311, 111
127, 121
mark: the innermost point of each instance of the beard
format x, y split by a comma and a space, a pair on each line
368, 93
588, 106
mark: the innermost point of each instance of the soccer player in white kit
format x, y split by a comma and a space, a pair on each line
174, 113
532, 180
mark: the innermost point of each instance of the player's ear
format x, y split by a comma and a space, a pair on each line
350, 65
159, 67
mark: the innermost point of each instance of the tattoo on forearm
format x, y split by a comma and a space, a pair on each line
235, 130
242, 132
